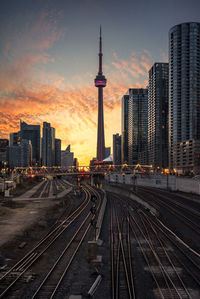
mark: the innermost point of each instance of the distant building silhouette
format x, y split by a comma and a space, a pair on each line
67, 157
116, 149
57, 152
32, 133
76, 163
48, 145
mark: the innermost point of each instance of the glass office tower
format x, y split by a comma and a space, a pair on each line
184, 98
124, 126
158, 96
138, 126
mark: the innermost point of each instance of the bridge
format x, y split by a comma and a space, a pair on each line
81, 170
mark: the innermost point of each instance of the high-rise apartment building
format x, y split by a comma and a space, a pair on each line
32, 133
184, 98
48, 145
57, 152
117, 149
158, 96
138, 126
124, 126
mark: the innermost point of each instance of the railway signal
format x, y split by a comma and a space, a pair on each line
94, 225
93, 209
93, 198
93, 222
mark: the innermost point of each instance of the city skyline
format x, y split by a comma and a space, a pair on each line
48, 64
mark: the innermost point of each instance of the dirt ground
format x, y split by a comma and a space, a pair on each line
17, 217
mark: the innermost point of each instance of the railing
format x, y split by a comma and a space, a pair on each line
81, 170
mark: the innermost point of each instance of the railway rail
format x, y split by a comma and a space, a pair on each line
173, 267
49, 287
187, 215
122, 283
12, 276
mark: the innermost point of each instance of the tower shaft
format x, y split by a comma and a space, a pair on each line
100, 129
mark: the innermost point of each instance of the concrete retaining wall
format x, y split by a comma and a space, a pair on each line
188, 185
167, 182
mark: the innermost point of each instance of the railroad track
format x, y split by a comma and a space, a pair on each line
185, 214
168, 272
37, 192
13, 275
49, 287
174, 268
122, 283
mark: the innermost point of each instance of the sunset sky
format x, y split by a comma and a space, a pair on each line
49, 59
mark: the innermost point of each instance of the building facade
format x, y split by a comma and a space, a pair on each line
138, 126
32, 133
158, 96
4, 143
67, 158
48, 145
21, 155
57, 152
15, 139
124, 126
117, 149
107, 151
184, 98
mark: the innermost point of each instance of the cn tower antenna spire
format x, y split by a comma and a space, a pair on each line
100, 53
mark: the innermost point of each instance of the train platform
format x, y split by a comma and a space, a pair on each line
29, 193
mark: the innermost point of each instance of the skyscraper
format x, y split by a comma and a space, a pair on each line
48, 145
117, 149
158, 96
32, 133
184, 98
124, 126
57, 152
138, 126
100, 83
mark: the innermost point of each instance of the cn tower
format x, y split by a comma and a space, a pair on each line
100, 83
